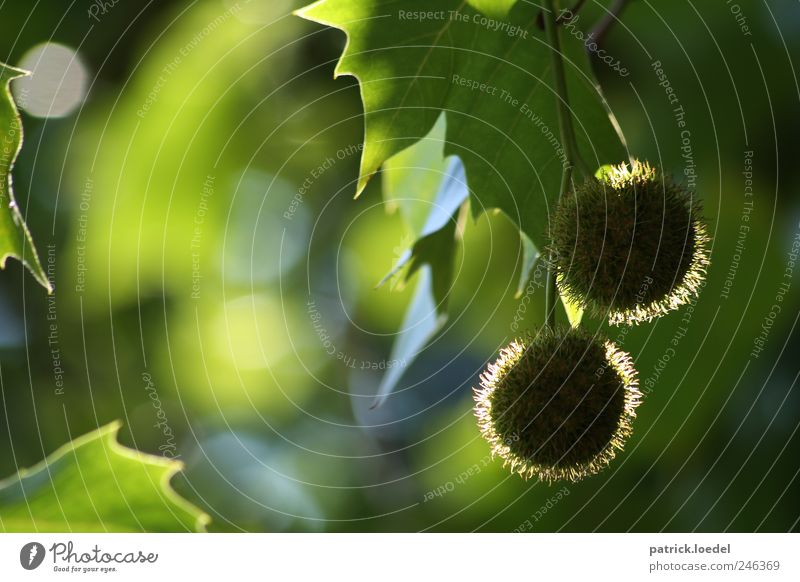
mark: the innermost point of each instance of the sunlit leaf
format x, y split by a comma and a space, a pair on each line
429, 190
15, 239
530, 256
574, 312
94, 484
436, 244
603, 171
495, 8
420, 324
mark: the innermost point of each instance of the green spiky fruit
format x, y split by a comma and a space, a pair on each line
558, 405
629, 246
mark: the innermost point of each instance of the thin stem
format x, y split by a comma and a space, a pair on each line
551, 297
564, 114
568, 142
551, 290
601, 28
581, 163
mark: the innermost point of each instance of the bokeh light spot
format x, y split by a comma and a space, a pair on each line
57, 84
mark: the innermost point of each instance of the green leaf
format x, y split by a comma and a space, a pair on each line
411, 179
494, 8
94, 484
603, 171
436, 244
15, 239
492, 78
420, 324
429, 190
574, 312
530, 256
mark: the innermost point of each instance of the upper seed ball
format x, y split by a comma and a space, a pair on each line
629, 245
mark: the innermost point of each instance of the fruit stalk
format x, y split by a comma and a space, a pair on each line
568, 142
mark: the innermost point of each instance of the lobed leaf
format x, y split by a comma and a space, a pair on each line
491, 77
94, 484
15, 238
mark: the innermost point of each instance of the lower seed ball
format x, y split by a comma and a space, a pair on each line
558, 405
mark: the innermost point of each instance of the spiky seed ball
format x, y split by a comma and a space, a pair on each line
629, 246
558, 405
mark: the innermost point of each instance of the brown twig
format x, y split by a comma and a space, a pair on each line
540, 18
604, 24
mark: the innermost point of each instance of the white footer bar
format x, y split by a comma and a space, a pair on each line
401, 557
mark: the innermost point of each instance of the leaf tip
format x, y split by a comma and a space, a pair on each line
363, 180
307, 12
34, 268
43, 281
